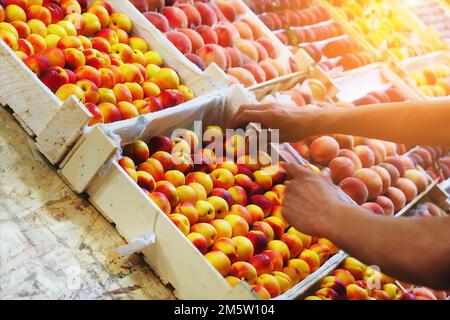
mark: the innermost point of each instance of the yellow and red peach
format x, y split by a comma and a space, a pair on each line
261, 201
355, 267
220, 206
54, 78
277, 226
74, 58
213, 53
418, 178
110, 112
38, 42
238, 224
205, 211
180, 40
88, 73
127, 110
119, 21
219, 261
355, 189
293, 242
354, 292
226, 246
372, 181
293, 274
223, 228
126, 162
91, 93
256, 213
38, 12
366, 155
182, 162
345, 276
181, 221
138, 151
311, 258
283, 279
306, 239
261, 291
69, 89
258, 239
243, 212
386, 204
352, 156
245, 248
207, 230
334, 283
199, 241
262, 263
244, 270
280, 247
322, 251
201, 178
301, 266
270, 283
146, 181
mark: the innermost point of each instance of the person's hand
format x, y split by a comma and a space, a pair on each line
311, 201
294, 123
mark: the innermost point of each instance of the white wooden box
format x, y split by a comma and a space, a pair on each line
123, 202
57, 125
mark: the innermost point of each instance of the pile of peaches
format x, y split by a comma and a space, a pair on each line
219, 32
356, 281
376, 174
432, 80
88, 51
230, 210
382, 26
298, 24
390, 94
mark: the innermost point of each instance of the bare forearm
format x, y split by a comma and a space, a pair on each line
413, 250
410, 123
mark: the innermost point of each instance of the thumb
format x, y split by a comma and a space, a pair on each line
294, 170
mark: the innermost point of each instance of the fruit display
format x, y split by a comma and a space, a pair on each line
230, 210
221, 32
386, 27
373, 173
429, 74
89, 51
300, 24
353, 280
432, 13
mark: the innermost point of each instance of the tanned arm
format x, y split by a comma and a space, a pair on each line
411, 123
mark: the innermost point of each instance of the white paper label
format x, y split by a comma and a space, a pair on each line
137, 244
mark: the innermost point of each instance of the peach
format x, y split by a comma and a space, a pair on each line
345, 141
225, 34
220, 206
354, 292
269, 70
392, 170
257, 31
247, 48
166, 78
70, 6
54, 77
93, 24
91, 93
118, 21
138, 151
324, 149
258, 239
262, 263
379, 294
145, 180
244, 30
238, 224
223, 228
327, 294
175, 16
352, 156
293, 242
244, 270
262, 53
183, 162
301, 266
408, 188
334, 283
355, 267
38, 42
74, 58
199, 241
208, 15
345, 276
122, 93
222, 178
341, 168
195, 40
243, 181
283, 279
322, 250
10, 39
36, 12
194, 18
366, 155
106, 95
201, 178
418, 178
293, 273
244, 248
206, 211
78, 21
101, 13
269, 47
276, 258
306, 239
150, 89
397, 197
280, 247
385, 177
264, 203
392, 291
207, 230
386, 204
158, 20
126, 162
270, 283
110, 112
396, 162
131, 73
88, 73
186, 193
242, 212
257, 71
154, 167
67, 90
181, 222
311, 258
95, 58
219, 261
261, 291
208, 34
226, 246
372, 181
213, 53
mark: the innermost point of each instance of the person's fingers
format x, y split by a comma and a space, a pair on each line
247, 116
295, 170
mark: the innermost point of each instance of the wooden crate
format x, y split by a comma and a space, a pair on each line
377, 76
121, 201
406, 67
57, 125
